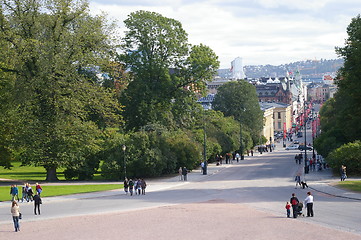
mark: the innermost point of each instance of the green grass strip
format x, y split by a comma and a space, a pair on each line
350, 185
61, 190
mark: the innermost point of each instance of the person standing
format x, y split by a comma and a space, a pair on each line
343, 172
126, 186
294, 202
23, 193
37, 202
288, 209
309, 204
15, 212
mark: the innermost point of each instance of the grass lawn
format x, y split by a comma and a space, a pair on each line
59, 190
350, 185
30, 173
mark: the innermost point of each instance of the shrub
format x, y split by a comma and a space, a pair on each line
349, 155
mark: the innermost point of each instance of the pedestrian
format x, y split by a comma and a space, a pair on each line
135, 186
309, 204
131, 185
252, 152
139, 186
294, 202
343, 172
143, 185
15, 212
29, 192
184, 173
23, 193
202, 166
298, 179
14, 192
180, 172
288, 209
126, 186
37, 202
38, 188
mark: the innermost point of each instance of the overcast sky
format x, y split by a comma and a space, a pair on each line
259, 31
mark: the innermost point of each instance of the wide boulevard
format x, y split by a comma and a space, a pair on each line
244, 200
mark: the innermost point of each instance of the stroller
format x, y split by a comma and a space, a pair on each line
299, 209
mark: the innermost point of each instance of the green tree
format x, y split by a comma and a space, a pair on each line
62, 107
239, 99
348, 155
166, 70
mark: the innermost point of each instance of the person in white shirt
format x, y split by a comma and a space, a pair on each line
309, 204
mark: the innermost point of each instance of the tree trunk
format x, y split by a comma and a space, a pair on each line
51, 174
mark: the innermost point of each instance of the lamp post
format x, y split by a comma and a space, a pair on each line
125, 164
204, 147
304, 126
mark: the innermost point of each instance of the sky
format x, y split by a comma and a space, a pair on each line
259, 31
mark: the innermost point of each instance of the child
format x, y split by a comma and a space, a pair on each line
288, 207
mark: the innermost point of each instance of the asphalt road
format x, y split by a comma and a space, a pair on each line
234, 202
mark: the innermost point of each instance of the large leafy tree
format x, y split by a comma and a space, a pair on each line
55, 45
239, 99
166, 70
348, 97
341, 116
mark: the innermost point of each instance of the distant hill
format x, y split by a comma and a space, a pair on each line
309, 69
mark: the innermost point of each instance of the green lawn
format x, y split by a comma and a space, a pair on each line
60, 190
350, 185
30, 173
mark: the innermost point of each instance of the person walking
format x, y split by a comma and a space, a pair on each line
14, 192
180, 172
23, 193
126, 186
38, 188
37, 202
294, 202
309, 204
298, 179
143, 185
15, 212
131, 185
184, 173
343, 172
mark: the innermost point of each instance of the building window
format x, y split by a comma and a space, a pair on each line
279, 115
279, 125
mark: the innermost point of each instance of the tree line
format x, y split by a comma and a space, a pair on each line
340, 117
73, 93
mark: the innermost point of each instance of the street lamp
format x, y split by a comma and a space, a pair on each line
304, 126
204, 143
125, 165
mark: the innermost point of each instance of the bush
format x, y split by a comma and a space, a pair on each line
349, 155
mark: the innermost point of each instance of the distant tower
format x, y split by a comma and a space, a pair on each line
237, 69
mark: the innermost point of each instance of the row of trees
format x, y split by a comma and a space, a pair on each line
73, 93
341, 116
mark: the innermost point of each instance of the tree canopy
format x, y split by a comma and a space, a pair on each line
166, 70
239, 99
54, 48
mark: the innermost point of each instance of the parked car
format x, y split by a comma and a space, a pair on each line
302, 147
292, 147
296, 142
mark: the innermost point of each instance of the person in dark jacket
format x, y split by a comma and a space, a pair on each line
185, 172
294, 201
37, 202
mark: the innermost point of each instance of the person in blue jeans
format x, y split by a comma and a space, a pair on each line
15, 212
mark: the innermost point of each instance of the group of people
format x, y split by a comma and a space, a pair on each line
183, 172
297, 206
137, 186
28, 195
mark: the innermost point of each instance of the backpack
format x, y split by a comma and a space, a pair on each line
294, 201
